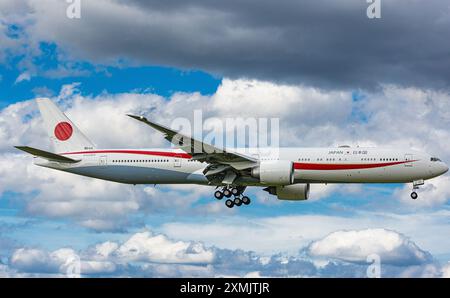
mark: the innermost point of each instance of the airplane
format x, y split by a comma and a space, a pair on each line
287, 174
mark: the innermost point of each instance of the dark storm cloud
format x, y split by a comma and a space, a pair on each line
319, 42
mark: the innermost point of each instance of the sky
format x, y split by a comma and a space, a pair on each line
330, 74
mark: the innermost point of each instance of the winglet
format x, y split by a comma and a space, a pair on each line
140, 118
169, 132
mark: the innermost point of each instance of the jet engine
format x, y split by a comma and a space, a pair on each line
277, 172
295, 192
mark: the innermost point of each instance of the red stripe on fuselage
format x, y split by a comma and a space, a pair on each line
155, 153
297, 165
321, 166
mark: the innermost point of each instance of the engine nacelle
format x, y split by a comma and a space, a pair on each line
277, 172
295, 192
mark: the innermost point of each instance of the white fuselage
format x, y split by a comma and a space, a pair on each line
312, 165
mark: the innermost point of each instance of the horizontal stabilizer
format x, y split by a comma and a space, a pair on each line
47, 155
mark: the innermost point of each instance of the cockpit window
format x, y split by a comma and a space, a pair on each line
435, 159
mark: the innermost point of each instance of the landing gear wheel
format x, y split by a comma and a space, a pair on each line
218, 195
235, 191
229, 203
237, 201
414, 195
245, 200
227, 193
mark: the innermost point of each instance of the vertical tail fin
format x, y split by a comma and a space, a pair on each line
64, 134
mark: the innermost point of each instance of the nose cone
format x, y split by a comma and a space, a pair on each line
441, 169
444, 168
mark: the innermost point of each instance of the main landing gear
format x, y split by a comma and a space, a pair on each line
232, 191
416, 185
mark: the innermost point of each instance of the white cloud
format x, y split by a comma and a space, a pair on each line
61, 262
289, 232
156, 255
251, 98
153, 254
159, 249
5, 271
355, 246
8, 44
32, 260
446, 270
96, 267
106, 249
25, 76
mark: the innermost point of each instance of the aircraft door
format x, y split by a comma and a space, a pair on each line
103, 160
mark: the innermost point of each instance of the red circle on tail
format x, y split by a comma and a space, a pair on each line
63, 131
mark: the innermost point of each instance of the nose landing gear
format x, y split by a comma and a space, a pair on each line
416, 185
228, 192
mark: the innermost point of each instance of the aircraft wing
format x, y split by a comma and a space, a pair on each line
47, 155
219, 159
